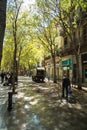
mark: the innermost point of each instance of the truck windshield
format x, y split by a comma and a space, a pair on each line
40, 72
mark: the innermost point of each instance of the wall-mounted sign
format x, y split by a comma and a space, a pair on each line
66, 62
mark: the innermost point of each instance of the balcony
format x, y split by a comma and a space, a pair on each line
47, 57
84, 39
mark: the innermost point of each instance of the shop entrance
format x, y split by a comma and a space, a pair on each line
84, 67
85, 72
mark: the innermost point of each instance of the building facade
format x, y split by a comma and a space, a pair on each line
67, 62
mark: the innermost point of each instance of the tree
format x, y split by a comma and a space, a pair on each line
14, 8
69, 13
30, 56
46, 31
3, 4
7, 59
28, 53
48, 40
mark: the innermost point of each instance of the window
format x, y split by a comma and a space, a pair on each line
84, 32
65, 43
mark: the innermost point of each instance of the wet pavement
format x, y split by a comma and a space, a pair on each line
37, 106
3, 106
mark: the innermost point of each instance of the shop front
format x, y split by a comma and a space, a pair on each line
84, 67
67, 66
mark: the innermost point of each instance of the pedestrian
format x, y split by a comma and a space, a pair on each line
10, 80
2, 76
65, 86
6, 79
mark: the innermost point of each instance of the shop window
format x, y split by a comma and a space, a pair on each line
85, 73
84, 32
65, 43
74, 73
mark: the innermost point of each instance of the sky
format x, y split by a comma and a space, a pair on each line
27, 3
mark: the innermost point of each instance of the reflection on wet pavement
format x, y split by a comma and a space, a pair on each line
36, 111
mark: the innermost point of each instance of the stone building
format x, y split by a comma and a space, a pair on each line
66, 63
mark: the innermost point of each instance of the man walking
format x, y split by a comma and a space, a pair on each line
65, 86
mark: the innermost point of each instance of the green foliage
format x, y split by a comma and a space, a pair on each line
28, 52
7, 59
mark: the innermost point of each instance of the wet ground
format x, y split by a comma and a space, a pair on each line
3, 105
38, 107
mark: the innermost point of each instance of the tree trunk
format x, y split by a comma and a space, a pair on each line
14, 62
3, 4
54, 63
78, 58
78, 72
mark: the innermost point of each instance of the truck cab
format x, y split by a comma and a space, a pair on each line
39, 74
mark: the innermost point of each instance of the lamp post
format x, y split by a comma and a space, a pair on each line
17, 69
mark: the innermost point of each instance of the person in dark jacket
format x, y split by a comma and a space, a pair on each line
2, 76
65, 86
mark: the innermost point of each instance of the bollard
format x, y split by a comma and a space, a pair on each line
9, 101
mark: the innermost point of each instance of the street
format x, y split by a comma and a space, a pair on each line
37, 107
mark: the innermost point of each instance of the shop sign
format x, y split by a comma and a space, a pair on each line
66, 62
